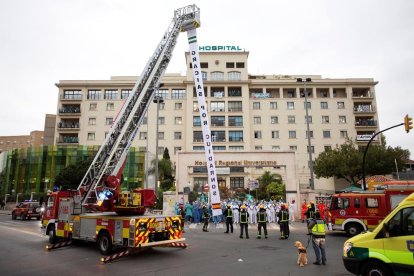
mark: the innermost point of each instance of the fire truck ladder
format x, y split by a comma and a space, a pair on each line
109, 160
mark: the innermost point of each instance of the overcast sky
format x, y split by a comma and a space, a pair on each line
44, 41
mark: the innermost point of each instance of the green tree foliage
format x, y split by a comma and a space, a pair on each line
345, 161
264, 181
276, 190
165, 171
71, 176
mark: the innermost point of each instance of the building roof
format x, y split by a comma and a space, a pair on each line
376, 178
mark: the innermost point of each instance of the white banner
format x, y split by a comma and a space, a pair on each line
198, 82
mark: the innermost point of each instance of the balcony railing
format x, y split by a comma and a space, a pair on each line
369, 122
69, 110
67, 140
71, 97
364, 108
68, 125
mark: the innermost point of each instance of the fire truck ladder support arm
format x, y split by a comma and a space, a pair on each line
109, 160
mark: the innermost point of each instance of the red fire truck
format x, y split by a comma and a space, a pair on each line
356, 212
98, 210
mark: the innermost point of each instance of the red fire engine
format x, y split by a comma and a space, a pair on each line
361, 211
97, 210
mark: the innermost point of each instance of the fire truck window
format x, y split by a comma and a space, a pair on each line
346, 203
371, 202
357, 203
50, 201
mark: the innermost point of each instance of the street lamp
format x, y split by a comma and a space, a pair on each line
157, 100
304, 81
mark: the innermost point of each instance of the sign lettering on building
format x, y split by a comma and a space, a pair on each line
212, 48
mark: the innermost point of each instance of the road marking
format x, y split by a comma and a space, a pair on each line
22, 231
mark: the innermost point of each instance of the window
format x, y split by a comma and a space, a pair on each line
204, 64
274, 120
217, 76
256, 105
236, 148
91, 136
275, 134
257, 120
94, 94
178, 120
326, 134
195, 107
109, 121
234, 75
178, 106
218, 136
341, 105
236, 136
72, 95
309, 105
328, 148
294, 148
125, 93
229, 64
235, 106
343, 134
160, 137
218, 121
234, 91
93, 106
258, 147
274, 148
273, 105
235, 121
324, 105
291, 119
292, 134
110, 106
325, 119
145, 121
290, 105
257, 134
236, 182
217, 106
196, 121
177, 135
106, 134
309, 119
239, 64
163, 93
217, 92
311, 134
204, 75
177, 149
371, 202
402, 223
340, 203
111, 94
342, 119
357, 202
197, 136
143, 136
161, 120
178, 94
92, 121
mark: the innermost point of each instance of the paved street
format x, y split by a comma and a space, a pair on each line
212, 253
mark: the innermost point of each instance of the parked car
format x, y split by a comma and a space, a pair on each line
27, 210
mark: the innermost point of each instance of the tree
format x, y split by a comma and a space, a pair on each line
276, 190
71, 176
345, 161
165, 171
264, 181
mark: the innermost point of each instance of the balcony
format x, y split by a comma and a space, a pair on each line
76, 97
68, 125
67, 140
70, 110
365, 123
362, 93
364, 108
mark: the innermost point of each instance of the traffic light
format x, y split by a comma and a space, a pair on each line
408, 123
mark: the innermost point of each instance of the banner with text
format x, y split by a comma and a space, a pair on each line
198, 82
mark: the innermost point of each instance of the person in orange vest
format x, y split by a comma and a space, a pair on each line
304, 210
321, 208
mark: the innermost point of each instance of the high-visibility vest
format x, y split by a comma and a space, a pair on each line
229, 213
319, 228
284, 216
243, 217
261, 216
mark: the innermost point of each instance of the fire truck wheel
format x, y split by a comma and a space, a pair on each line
105, 243
352, 229
23, 216
375, 268
52, 235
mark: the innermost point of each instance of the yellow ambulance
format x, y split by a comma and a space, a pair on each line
386, 250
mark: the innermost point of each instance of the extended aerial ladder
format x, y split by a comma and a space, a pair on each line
103, 177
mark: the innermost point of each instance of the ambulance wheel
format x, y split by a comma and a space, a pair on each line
105, 243
52, 235
374, 268
352, 229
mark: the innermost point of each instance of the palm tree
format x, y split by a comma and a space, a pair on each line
264, 181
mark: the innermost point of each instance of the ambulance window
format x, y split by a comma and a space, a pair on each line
371, 202
357, 202
408, 221
401, 223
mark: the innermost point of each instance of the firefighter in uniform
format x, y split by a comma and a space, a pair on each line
283, 216
261, 221
310, 214
316, 229
228, 213
304, 210
206, 217
244, 219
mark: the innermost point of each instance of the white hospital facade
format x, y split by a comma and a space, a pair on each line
257, 122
